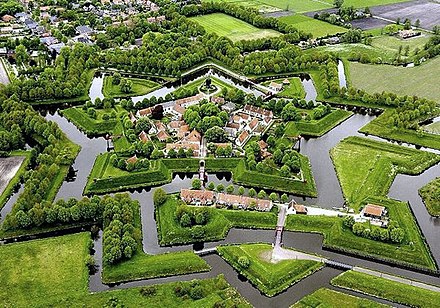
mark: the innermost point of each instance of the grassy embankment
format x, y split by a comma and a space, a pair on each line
366, 169
430, 194
317, 128
170, 231
8, 191
270, 278
53, 272
379, 127
140, 87
105, 178
91, 126
387, 289
332, 299
292, 90
232, 28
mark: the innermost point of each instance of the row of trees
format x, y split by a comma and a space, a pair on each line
121, 233
393, 233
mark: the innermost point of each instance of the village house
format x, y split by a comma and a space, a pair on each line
162, 136
144, 112
143, 137
257, 112
376, 214
298, 208
190, 101
217, 100
197, 197
275, 86
132, 160
405, 34
242, 138
206, 197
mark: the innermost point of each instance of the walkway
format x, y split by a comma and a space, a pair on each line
280, 225
398, 279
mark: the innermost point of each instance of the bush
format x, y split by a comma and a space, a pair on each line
148, 291
196, 292
197, 232
244, 262
159, 197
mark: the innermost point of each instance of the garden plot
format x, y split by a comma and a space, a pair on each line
427, 12
8, 168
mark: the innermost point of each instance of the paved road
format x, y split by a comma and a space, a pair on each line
8, 168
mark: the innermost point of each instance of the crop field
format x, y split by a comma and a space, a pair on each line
233, 28
8, 168
403, 80
266, 6
316, 27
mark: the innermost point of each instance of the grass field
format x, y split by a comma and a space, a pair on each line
52, 273
44, 272
367, 168
417, 80
231, 27
316, 27
333, 299
140, 87
390, 290
270, 278
430, 194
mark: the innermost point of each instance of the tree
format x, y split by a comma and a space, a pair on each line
116, 78
21, 54
284, 198
159, 196
126, 85
397, 235
220, 188
348, 221
200, 219
215, 134
241, 191
185, 220
262, 194
196, 184
338, 3
243, 261
252, 192
230, 189
211, 186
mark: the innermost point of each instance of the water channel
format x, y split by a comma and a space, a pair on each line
317, 149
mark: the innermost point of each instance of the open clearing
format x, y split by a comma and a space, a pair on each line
233, 28
307, 24
8, 168
403, 80
392, 43
427, 12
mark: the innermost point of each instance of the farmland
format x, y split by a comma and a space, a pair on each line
316, 27
403, 80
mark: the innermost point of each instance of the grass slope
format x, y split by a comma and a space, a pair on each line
143, 266
140, 87
270, 278
231, 27
387, 289
333, 299
396, 79
430, 194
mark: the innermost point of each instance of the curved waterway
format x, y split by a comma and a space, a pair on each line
317, 149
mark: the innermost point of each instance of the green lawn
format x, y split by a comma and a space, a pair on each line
143, 266
44, 273
140, 87
170, 232
430, 194
367, 168
396, 79
319, 127
390, 290
270, 278
293, 90
317, 28
231, 27
333, 299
